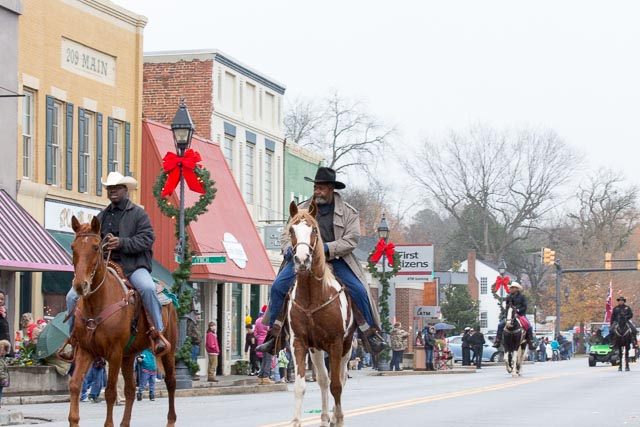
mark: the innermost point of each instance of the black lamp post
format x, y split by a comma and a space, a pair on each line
502, 269
182, 128
383, 233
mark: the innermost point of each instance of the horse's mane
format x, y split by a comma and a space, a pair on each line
304, 215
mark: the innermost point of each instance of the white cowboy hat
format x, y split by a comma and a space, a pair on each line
116, 178
516, 285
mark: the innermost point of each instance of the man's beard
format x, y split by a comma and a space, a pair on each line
321, 201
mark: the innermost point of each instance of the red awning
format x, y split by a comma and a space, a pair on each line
24, 244
227, 214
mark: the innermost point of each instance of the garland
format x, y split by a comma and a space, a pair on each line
183, 272
383, 299
499, 299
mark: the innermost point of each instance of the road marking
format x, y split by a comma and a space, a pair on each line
313, 420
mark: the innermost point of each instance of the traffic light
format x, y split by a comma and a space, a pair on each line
548, 256
607, 261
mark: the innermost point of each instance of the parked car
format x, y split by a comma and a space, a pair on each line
489, 354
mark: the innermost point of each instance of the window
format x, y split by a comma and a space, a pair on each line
483, 285
117, 147
268, 197
117, 144
227, 150
56, 142
248, 173
483, 319
28, 120
87, 123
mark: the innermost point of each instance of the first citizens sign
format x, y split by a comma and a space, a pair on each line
416, 263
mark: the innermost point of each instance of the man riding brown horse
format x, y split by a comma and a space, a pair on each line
128, 235
339, 225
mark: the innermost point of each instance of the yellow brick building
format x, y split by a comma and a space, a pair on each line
80, 68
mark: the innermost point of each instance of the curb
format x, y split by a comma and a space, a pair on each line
10, 417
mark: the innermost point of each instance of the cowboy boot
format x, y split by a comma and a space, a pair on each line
496, 342
269, 343
159, 344
374, 341
67, 352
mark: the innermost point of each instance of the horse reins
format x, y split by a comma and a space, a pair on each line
103, 243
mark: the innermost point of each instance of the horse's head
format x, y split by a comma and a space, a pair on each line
305, 236
87, 254
511, 317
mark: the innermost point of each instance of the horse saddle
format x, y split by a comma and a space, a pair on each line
163, 294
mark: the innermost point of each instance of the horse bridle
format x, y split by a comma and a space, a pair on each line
103, 244
314, 230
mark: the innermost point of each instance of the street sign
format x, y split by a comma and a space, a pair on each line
198, 260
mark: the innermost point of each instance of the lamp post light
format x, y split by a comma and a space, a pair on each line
182, 128
383, 233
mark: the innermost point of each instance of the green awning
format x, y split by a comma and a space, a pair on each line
59, 283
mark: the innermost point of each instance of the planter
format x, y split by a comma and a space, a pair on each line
29, 380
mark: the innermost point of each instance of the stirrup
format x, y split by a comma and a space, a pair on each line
159, 344
66, 356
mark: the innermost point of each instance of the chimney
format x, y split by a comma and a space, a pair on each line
474, 289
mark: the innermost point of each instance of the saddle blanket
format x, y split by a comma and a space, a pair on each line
524, 322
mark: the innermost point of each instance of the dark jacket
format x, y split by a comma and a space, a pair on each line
466, 340
477, 340
519, 301
136, 238
429, 341
621, 314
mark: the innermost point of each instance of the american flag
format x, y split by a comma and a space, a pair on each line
609, 308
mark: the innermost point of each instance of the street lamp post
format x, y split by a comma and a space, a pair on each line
383, 233
182, 128
502, 269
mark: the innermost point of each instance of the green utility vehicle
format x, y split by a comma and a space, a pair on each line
602, 353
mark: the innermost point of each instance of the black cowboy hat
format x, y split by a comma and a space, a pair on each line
326, 175
621, 298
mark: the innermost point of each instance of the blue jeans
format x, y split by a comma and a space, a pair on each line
147, 378
94, 382
195, 352
287, 276
429, 354
141, 279
265, 366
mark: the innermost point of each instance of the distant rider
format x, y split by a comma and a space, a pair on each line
622, 313
519, 301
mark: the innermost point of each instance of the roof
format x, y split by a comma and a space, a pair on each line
227, 214
24, 244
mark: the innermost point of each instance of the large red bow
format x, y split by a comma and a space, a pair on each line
502, 282
171, 164
382, 248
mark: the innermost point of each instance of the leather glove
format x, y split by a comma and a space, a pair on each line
288, 253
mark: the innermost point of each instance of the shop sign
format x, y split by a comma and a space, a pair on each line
87, 62
234, 249
57, 215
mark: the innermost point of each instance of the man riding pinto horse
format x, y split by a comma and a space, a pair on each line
519, 301
622, 314
340, 231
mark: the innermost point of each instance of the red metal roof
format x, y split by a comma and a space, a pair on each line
227, 213
24, 244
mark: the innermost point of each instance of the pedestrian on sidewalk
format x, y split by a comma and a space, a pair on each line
147, 362
250, 344
466, 347
398, 345
477, 345
265, 358
193, 333
283, 363
213, 351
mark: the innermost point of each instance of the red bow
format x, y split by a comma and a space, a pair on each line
171, 164
385, 249
502, 282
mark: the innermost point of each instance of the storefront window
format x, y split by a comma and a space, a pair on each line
236, 321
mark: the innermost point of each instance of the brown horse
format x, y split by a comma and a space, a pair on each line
103, 327
320, 317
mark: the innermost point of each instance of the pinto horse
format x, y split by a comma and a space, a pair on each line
105, 326
320, 316
514, 342
622, 336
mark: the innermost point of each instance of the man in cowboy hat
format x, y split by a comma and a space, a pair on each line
129, 236
519, 301
622, 313
339, 225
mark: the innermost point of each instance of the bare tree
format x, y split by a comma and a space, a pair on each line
500, 183
339, 128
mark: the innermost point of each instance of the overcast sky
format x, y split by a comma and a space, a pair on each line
428, 66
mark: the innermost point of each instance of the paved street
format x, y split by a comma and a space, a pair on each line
549, 394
